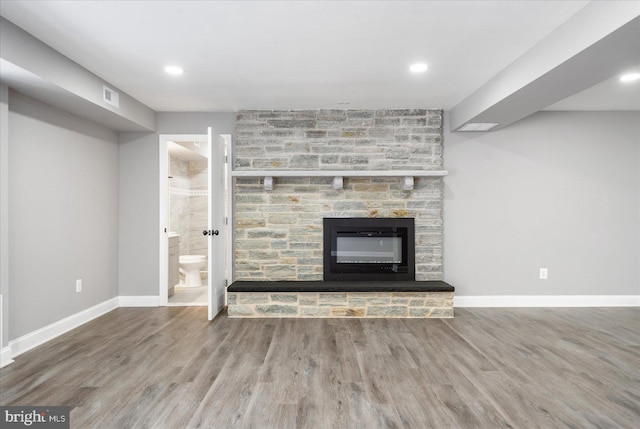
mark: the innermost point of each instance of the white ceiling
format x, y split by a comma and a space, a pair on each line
299, 54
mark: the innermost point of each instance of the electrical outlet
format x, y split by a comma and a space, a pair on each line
543, 273
79, 285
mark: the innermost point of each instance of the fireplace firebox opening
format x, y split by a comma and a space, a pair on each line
369, 249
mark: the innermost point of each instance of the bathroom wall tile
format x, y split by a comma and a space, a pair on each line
198, 172
179, 186
189, 204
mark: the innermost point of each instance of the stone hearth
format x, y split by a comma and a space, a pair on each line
341, 299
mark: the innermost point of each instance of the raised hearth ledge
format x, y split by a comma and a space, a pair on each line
338, 286
335, 299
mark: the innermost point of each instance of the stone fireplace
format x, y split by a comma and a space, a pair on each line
278, 233
292, 169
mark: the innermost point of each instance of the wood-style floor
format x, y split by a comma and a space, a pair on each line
487, 368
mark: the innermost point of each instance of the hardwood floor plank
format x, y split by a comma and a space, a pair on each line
174, 412
322, 403
373, 370
347, 358
265, 412
226, 401
362, 412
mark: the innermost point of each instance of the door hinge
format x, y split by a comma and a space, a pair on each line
226, 159
226, 220
226, 282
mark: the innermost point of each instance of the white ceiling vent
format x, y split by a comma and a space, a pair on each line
477, 126
110, 96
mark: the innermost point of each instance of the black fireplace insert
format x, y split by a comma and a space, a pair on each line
369, 249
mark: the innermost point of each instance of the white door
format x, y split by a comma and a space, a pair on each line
217, 230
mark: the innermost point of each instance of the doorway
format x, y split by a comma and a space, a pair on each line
192, 216
187, 217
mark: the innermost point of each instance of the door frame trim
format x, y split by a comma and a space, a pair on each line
230, 225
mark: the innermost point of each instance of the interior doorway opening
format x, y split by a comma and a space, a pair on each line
193, 182
188, 208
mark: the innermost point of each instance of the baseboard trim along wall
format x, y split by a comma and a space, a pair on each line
5, 352
547, 301
139, 301
49, 332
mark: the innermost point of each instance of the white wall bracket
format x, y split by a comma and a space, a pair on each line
407, 183
338, 183
268, 183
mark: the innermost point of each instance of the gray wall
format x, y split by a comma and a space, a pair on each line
63, 214
558, 190
140, 199
4, 212
138, 215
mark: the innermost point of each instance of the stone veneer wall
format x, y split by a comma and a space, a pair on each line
278, 234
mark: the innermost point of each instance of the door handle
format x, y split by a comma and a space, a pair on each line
210, 232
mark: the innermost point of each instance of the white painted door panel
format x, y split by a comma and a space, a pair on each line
217, 230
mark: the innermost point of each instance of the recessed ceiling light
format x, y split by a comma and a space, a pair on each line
629, 77
418, 68
174, 70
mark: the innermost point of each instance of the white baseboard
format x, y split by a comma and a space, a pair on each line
5, 352
47, 333
547, 301
5, 357
139, 301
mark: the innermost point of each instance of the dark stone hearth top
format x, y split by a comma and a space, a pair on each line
340, 286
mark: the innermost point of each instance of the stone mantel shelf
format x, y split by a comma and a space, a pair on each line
338, 175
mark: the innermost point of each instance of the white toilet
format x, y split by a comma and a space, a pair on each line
190, 266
